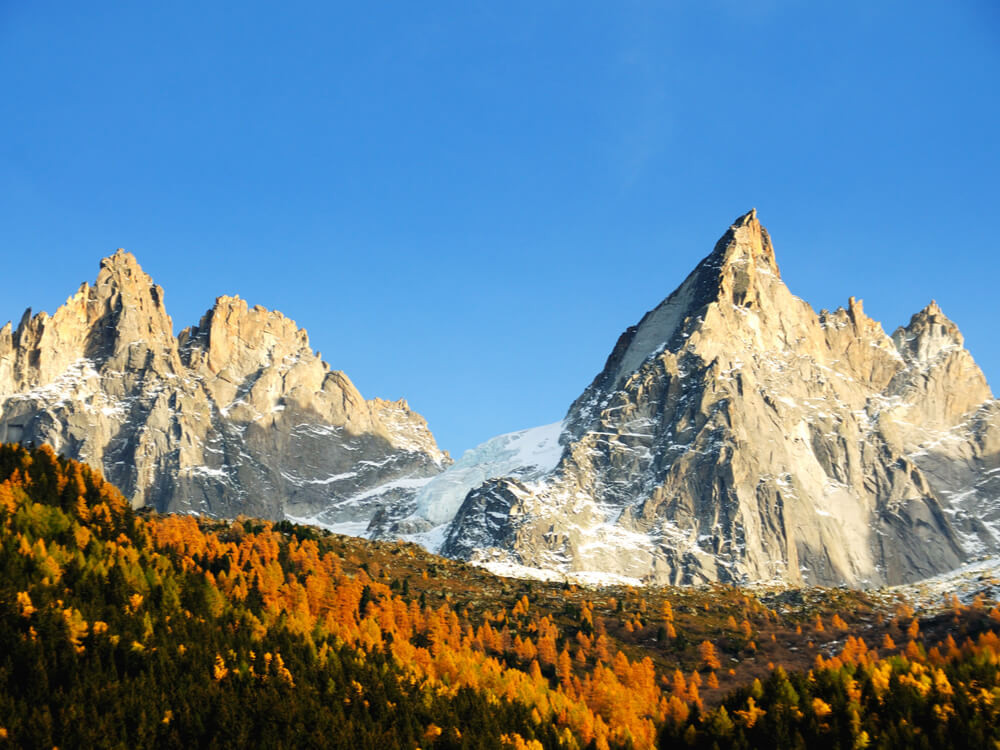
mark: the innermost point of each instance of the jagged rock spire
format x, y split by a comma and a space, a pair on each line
745, 241
928, 333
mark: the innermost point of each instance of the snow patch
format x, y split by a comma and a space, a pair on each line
347, 528
300, 482
407, 483
507, 568
431, 540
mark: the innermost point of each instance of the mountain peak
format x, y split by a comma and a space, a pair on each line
125, 297
121, 266
741, 270
232, 334
928, 333
120, 274
120, 316
745, 240
121, 255
750, 217
931, 311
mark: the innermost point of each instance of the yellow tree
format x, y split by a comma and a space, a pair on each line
709, 658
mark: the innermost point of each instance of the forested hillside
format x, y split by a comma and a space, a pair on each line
130, 630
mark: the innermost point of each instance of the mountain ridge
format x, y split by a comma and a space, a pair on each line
234, 415
734, 434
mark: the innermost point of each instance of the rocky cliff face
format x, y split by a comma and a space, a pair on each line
736, 435
235, 415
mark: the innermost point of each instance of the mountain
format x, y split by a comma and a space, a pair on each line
234, 415
736, 435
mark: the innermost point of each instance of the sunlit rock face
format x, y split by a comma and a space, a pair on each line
737, 435
235, 415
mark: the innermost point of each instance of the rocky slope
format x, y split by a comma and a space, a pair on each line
735, 434
235, 415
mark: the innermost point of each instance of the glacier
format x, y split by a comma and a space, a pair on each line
528, 454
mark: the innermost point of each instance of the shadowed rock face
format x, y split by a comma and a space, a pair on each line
235, 415
736, 435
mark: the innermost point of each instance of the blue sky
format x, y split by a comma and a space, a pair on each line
466, 203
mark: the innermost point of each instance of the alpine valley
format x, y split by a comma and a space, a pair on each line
734, 435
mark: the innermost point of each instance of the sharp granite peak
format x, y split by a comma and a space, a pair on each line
234, 415
736, 435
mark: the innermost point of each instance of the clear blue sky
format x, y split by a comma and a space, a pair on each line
465, 203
